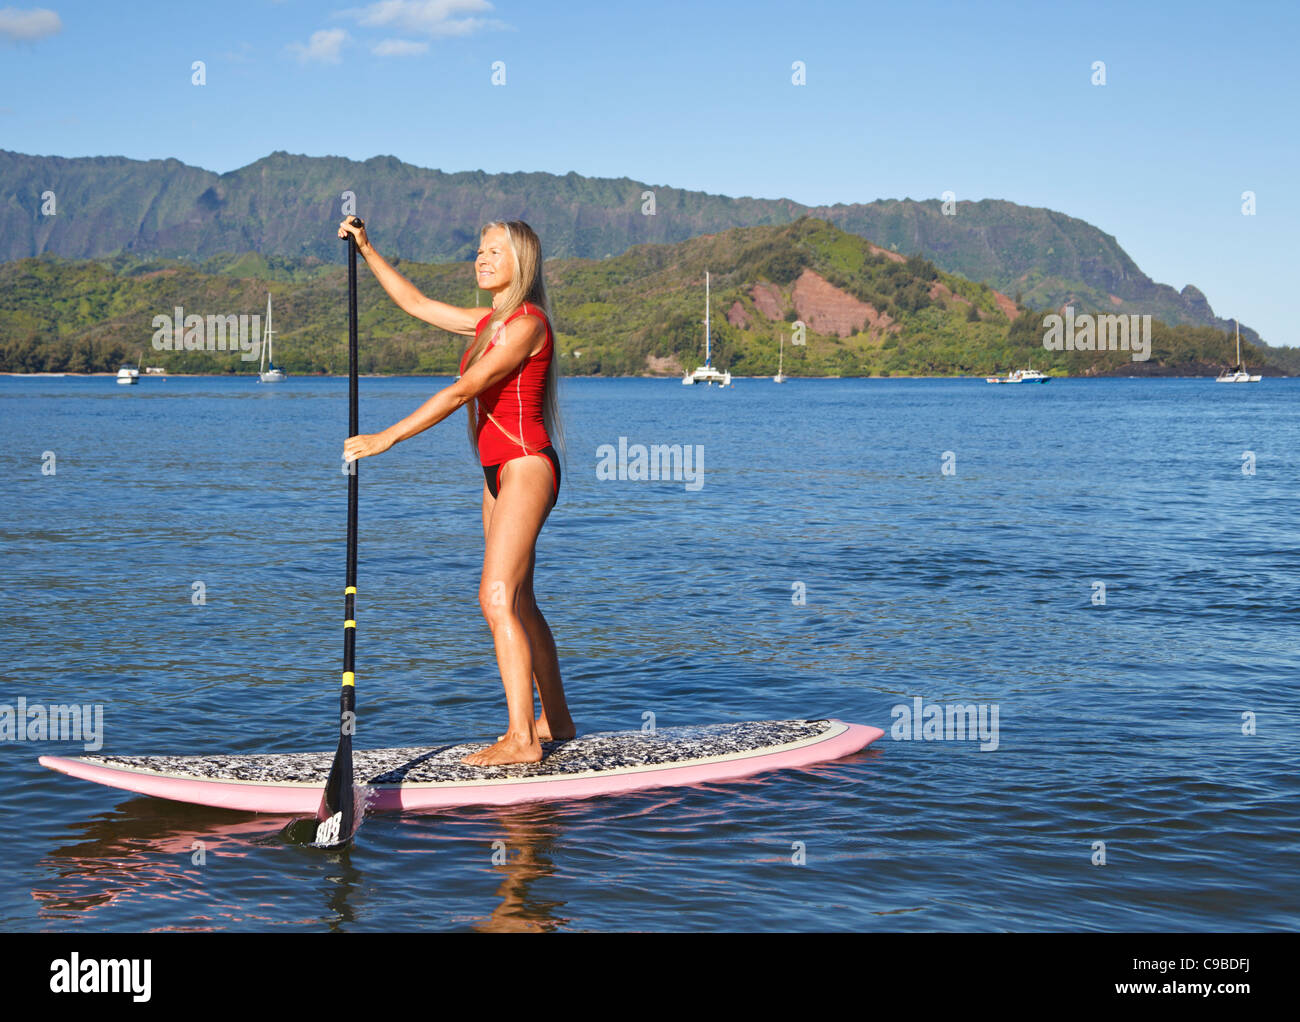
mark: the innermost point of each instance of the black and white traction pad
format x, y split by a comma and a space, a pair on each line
605, 751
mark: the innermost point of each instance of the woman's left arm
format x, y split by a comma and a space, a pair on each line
508, 354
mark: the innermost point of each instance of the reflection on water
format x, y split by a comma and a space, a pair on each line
522, 858
135, 852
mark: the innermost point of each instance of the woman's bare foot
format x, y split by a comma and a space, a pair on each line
545, 733
508, 749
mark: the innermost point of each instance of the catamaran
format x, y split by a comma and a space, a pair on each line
1237, 373
707, 373
271, 375
780, 376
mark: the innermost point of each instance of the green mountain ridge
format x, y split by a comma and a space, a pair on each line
286, 205
867, 312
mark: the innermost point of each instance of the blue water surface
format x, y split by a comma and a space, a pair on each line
1113, 566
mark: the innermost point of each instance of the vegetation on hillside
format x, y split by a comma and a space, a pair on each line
285, 206
616, 316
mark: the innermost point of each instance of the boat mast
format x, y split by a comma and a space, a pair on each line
780, 365
1237, 324
269, 331
708, 350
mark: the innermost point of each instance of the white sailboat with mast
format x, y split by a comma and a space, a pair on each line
271, 375
130, 374
1237, 373
780, 376
707, 373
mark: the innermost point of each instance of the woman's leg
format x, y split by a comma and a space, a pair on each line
554, 722
489, 502
524, 496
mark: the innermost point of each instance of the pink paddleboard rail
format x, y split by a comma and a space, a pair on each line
305, 798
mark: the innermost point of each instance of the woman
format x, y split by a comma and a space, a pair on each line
508, 371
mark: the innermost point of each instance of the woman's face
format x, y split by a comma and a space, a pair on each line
492, 266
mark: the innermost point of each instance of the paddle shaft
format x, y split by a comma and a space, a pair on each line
348, 696
336, 818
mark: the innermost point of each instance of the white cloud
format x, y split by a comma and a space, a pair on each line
26, 26
434, 18
399, 48
323, 46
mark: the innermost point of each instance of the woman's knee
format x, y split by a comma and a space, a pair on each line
497, 601
491, 596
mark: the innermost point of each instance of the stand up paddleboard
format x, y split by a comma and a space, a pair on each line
432, 778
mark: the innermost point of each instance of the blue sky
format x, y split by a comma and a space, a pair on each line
989, 100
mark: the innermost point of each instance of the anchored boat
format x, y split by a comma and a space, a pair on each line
707, 373
1020, 376
780, 376
130, 373
1237, 373
271, 375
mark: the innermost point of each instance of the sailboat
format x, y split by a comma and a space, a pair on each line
707, 373
1237, 373
129, 374
780, 376
271, 375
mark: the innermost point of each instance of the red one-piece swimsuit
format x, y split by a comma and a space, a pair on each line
516, 403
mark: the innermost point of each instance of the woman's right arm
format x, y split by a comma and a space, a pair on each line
407, 295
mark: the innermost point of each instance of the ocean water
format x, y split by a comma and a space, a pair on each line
1108, 569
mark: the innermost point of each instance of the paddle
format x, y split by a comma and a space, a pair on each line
337, 818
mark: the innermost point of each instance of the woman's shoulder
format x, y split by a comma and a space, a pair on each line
529, 309
525, 309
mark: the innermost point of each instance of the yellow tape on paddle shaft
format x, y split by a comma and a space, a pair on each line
349, 678
350, 589
349, 624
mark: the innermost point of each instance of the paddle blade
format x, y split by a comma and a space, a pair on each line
337, 818
300, 831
